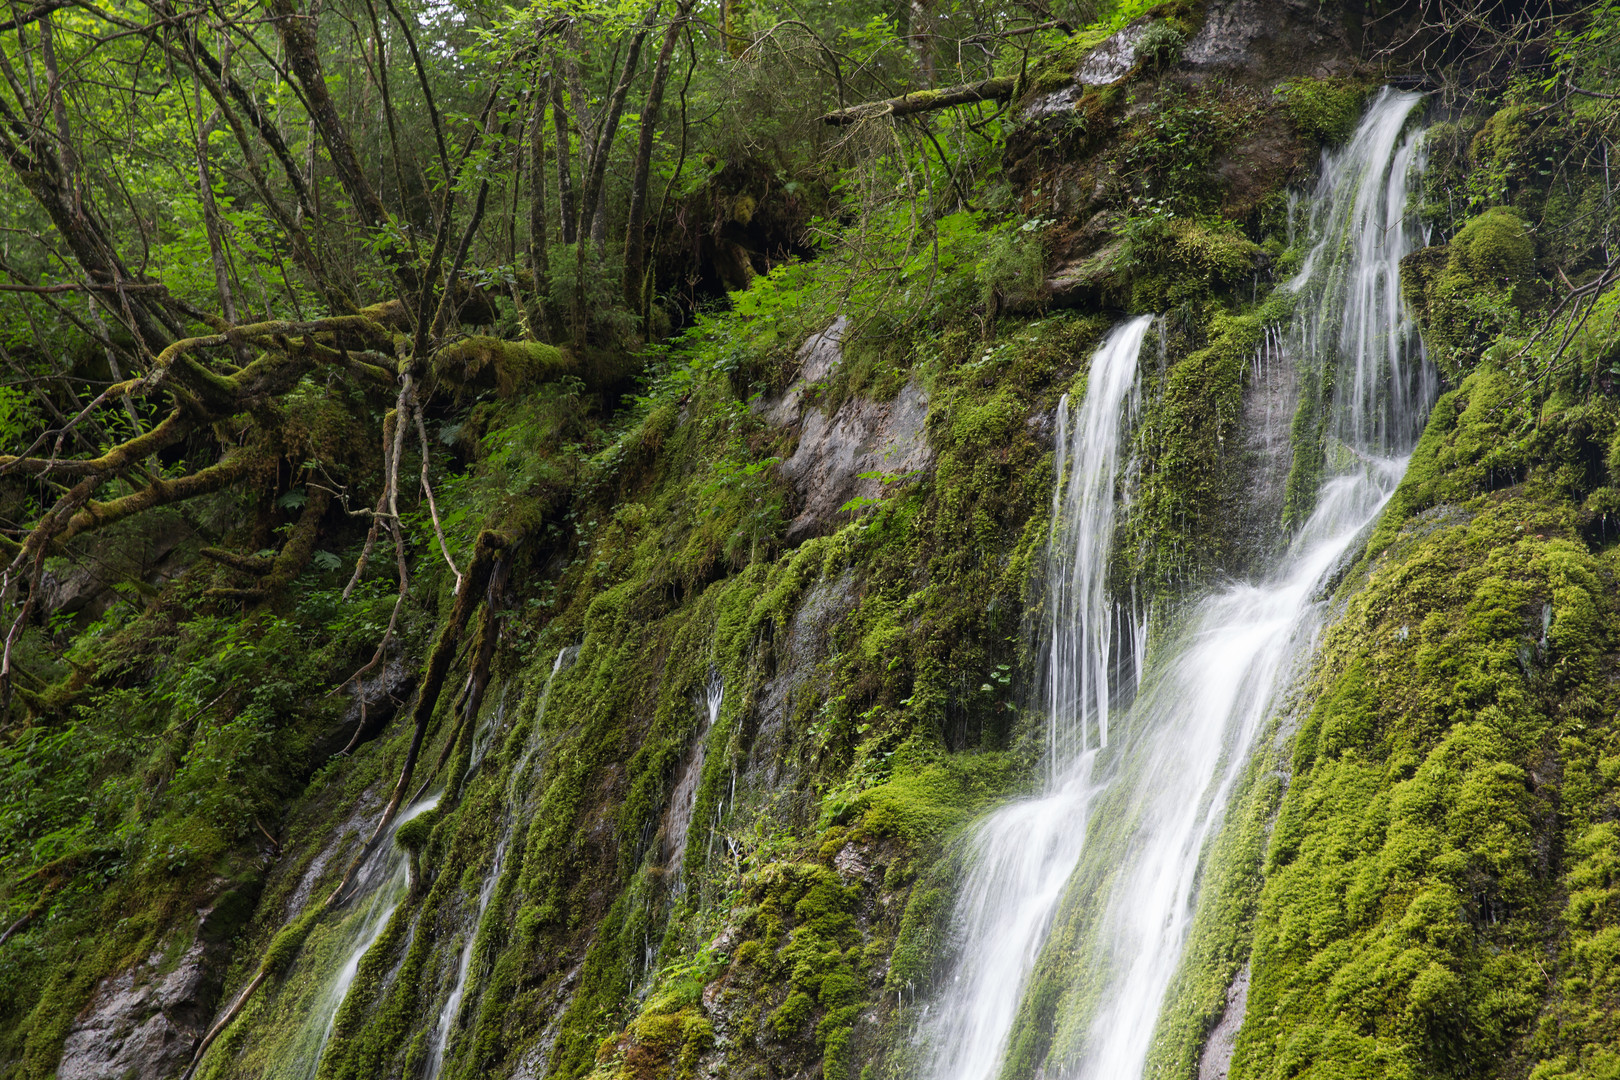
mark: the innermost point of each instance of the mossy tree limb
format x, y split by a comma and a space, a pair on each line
921, 101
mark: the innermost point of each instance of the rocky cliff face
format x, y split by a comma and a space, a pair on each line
1417, 879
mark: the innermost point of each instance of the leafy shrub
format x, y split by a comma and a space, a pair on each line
1160, 45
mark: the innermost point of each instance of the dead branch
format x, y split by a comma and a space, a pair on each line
427, 489
921, 101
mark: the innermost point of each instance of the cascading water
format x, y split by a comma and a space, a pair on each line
1195, 719
1023, 854
382, 883
1084, 619
683, 800
451, 1011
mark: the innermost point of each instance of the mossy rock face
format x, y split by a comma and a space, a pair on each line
1172, 261
1323, 110
1057, 70
1420, 271
482, 364
1482, 288
1407, 867
1502, 136
1495, 248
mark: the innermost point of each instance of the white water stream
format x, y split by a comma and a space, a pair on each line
1195, 718
382, 883
1085, 623
451, 1011
1023, 854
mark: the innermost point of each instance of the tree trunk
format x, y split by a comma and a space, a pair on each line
635, 238
303, 56
205, 188
565, 178
538, 264
591, 201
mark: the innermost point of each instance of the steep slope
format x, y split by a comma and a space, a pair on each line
697, 800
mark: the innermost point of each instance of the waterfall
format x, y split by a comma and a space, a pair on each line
1023, 854
381, 885
1083, 619
1135, 838
451, 1011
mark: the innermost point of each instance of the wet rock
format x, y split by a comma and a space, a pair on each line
342, 840
1255, 504
143, 1024
1215, 1063
1108, 63
384, 693
86, 587
1264, 40
1087, 281
851, 863
1060, 100
863, 436
771, 769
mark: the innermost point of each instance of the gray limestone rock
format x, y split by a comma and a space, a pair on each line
1113, 59
1215, 1063
1262, 40
863, 436
818, 357
142, 1025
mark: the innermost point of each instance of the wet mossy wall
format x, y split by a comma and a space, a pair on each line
877, 682
1419, 863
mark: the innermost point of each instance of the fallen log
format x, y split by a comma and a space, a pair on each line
920, 101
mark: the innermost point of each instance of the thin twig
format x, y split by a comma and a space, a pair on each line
427, 488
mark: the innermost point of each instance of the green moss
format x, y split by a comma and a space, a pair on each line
923, 806
1475, 290
506, 367
1171, 262
414, 834
283, 948
1495, 248
1323, 110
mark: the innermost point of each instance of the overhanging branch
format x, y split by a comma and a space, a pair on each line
921, 101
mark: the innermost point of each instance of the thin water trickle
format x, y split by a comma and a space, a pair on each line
683, 801
451, 1011
381, 885
1131, 830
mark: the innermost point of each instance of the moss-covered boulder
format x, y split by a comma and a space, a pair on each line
1495, 247
1475, 288
1323, 110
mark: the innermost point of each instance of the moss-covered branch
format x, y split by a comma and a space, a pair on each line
921, 101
